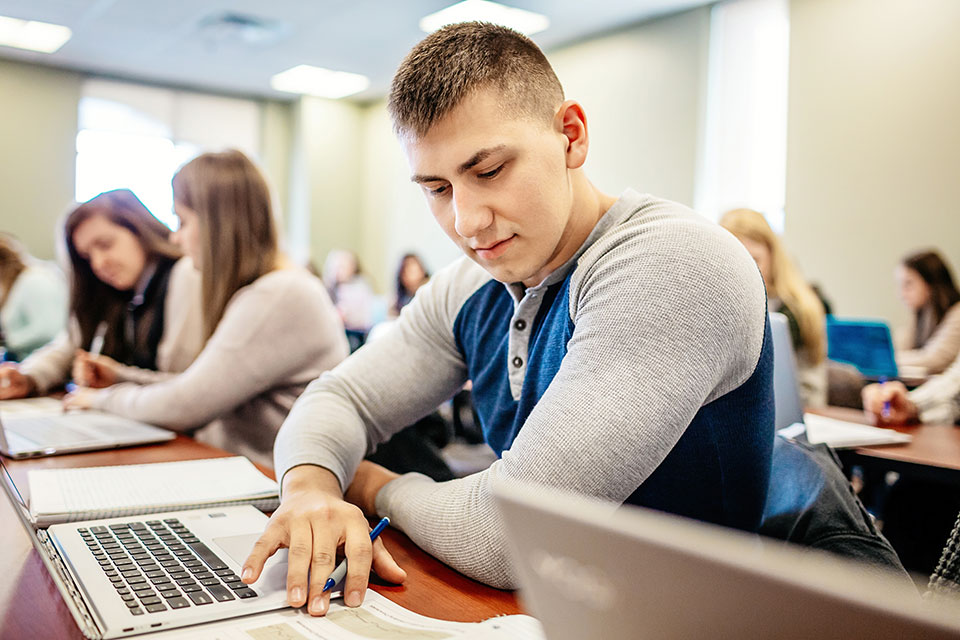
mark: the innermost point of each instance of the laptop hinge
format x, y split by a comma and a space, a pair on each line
68, 588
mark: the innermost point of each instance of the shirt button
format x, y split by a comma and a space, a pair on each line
520, 325
518, 362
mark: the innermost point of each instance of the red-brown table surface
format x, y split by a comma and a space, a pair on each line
31, 606
934, 451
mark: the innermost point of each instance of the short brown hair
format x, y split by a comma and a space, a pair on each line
238, 237
453, 62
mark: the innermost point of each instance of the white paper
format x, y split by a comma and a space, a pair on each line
126, 489
377, 619
840, 434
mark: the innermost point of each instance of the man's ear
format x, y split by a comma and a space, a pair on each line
571, 122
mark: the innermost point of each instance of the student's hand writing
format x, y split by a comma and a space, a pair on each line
14, 384
312, 522
95, 372
367, 482
82, 398
888, 403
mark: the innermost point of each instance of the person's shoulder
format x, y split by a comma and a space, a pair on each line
953, 314
653, 236
287, 284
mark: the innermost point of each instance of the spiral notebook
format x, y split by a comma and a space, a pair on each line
69, 495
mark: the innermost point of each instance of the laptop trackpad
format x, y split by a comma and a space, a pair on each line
239, 547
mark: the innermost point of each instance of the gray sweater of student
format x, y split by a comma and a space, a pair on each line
659, 314
276, 335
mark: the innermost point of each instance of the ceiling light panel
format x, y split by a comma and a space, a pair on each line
316, 81
32, 35
526, 22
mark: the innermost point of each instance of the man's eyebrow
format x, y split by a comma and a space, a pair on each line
474, 160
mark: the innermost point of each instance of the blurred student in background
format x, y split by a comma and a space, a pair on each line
411, 275
269, 326
932, 341
357, 304
790, 295
131, 293
33, 300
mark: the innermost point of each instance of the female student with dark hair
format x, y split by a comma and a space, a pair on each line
131, 293
269, 326
411, 275
932, 341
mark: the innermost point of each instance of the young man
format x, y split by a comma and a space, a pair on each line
617, 346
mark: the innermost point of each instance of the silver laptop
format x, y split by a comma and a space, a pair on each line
126, 576
786, 390
590, 570
39, 427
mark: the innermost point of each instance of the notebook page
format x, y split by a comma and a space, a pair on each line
131, 488
377, 618
841, 434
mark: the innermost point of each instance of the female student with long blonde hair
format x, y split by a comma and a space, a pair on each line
270, 327
788, 293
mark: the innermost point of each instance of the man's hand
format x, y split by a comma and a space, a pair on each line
889, 404
95, 372
80, 399
367, 482
312, 522
14, 384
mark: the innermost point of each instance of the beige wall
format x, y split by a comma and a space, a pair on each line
642, 89
324, 194
276, 143
38, 133
873, 167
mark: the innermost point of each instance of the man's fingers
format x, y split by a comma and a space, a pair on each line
298, 562
385, 566
265, 547
322, 562
359, 554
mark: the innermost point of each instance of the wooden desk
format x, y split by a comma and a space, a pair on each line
31, 606
934, 452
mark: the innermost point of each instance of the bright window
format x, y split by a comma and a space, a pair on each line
136, 137
744, 155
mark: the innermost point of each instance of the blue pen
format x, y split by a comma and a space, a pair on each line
885, 411
341, 569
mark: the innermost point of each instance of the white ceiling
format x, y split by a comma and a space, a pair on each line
163, 41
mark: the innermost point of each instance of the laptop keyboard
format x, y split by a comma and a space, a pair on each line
156, 566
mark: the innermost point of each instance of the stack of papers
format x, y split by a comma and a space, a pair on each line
841, 434
69, 495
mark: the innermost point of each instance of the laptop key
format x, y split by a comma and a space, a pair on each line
137, 612
220, 593
246, 593
209, 582
199, 597
170, 593
155, 608
150, 600
178, 603
236, 586
191, 588
207, 555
